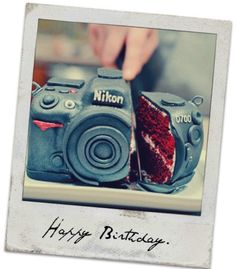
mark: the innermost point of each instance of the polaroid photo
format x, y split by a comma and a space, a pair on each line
118, 135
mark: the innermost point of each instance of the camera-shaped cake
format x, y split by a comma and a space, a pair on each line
81, 130
170, 140
86, 132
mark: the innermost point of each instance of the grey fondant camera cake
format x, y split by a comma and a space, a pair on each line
84, 132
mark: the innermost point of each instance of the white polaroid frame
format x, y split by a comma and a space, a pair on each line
187, 239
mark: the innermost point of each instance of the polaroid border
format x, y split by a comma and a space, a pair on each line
27, 221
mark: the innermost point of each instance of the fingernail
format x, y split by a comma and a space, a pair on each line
128, 74
107, 59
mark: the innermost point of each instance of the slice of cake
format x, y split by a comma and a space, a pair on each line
156, 142
170, 138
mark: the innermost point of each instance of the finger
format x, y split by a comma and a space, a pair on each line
96, 38
150, 46
114, 41
133, 56
93, 36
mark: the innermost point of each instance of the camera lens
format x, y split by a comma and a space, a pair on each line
97, 147
102, 151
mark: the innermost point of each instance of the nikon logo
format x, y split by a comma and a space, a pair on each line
108, 97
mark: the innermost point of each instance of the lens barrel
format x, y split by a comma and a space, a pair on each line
96, 147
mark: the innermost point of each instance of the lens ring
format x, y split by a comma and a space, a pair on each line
102, 151
101, 133
97, 161
88, 119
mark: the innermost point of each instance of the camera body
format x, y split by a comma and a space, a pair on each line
170, 138
81, 130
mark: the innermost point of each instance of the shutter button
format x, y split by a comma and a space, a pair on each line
49, 101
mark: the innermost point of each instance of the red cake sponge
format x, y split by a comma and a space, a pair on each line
156, 142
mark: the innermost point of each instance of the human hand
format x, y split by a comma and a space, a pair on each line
107, 42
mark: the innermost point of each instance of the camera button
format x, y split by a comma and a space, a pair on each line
188, 152
57, 161
197, 117
195, 135
50, 89
172, 101
69, 104
49, 101
72, 90
64, 91
109, 73
78, 84
188, 155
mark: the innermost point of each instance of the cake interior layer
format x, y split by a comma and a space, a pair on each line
156, 142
